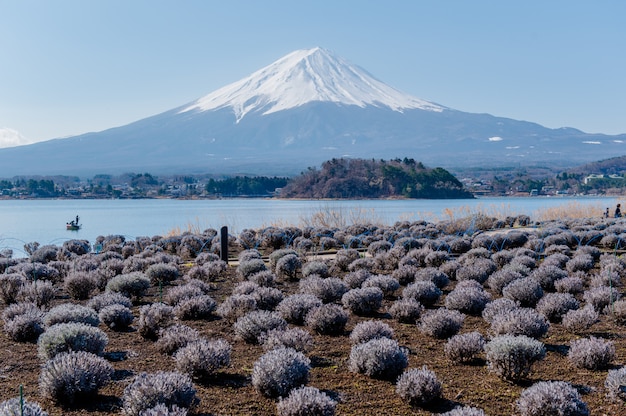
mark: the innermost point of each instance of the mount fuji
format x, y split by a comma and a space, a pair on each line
306, 107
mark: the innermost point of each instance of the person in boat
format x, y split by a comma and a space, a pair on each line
77, 220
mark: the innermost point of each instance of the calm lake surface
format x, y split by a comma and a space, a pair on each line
23, 221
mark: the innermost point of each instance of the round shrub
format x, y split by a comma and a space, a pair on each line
501, 278
546, 275
23, 321
253, 325
69, 312
152, 318
591, 353
363, 301
249, 267
419, 386
296, 338
10, 284
600, 297
150, 389
21, 407
163, 410
520, 321
441, 323
615, 384
468, 297
328, 289
464, 411
425, 292
117, 317
318, 268
108, 298
527, 291
197, 307
80, 285
355, 279
134, 284
551, 398
279, 371
177, 294
570, 284
407, 311
202, 357
581, 319
174, 337
294, 308
497, 306
162, 273
554, 305
366, 330
306, 401
464, 348
288, 266
378, 358
432, 274
387, 284
511, 357
327, 319
71, 336
73, 375
40, 292
236, 306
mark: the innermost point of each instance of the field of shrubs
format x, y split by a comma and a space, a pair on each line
474, 316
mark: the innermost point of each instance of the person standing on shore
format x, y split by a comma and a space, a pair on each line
618, 211
606, 213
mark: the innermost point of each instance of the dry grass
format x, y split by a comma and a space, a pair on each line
570, 210
329, 217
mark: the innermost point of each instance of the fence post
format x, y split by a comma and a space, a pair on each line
224, 243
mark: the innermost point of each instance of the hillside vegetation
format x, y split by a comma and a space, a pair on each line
360, 178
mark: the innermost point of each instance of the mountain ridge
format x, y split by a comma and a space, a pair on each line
245, 128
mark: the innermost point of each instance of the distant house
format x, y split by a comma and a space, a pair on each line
594, 176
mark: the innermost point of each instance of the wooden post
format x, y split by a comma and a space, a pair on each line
224, 243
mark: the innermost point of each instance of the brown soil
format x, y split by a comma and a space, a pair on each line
231, 393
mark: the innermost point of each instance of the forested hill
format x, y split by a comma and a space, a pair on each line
360, 178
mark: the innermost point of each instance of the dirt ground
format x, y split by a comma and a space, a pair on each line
230, 392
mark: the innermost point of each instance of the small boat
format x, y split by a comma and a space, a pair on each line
73, 225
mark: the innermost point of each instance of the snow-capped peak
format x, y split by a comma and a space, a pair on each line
306, 76
11, 138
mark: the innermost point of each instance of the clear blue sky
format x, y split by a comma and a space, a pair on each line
72, 66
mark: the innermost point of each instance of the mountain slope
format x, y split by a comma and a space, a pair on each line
305, 108
302, 77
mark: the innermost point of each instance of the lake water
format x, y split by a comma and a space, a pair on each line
23, 221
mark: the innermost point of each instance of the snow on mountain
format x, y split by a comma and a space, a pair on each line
11, 138
306, 76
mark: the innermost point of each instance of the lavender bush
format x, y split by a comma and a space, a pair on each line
71, 337
406, 311
378, 358
279, 371
551, 398
306, 401
327, 319
511, 357
419, 386
202, 358
73, 375
591, 353
150, 389
464, 348
441, 323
